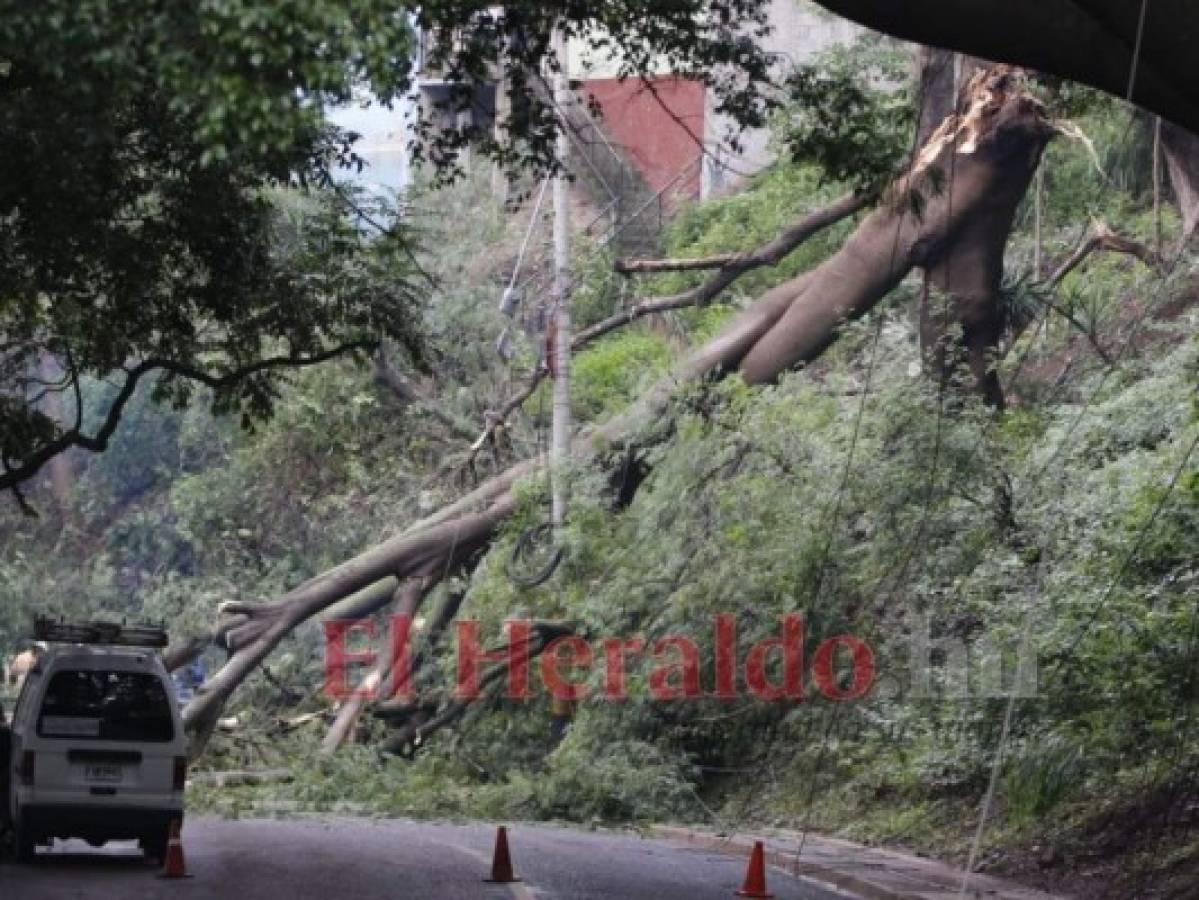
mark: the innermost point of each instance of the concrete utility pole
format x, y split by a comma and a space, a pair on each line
560, 438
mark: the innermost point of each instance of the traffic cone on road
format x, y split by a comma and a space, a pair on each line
174, 866
755, 875
501, 862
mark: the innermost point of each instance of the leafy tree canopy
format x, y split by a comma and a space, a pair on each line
143, 144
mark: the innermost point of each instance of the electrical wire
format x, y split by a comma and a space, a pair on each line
996, 762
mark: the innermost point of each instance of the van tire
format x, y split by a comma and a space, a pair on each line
25, 844
155, 847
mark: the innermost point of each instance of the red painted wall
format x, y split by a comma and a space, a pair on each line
654, 139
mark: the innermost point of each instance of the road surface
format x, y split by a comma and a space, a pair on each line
348, 859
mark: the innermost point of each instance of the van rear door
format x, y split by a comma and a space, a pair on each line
106, 735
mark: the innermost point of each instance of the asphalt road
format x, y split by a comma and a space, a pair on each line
347, 859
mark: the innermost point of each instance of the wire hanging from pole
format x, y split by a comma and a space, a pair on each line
511, 298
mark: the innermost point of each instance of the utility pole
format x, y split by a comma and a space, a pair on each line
560, 437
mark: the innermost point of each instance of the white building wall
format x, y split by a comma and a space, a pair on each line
801, 30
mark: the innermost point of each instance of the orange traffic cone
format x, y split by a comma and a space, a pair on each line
174, 865
755, 875
501, 863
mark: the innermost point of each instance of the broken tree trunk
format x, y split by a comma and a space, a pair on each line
951, 214
961, 317
993, 149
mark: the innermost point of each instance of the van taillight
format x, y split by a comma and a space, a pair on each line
180, 772
27, 767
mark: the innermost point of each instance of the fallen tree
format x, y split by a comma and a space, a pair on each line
950, 212
729, 268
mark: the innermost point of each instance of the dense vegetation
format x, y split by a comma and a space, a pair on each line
858, 492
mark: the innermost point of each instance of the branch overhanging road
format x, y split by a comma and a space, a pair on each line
334, 858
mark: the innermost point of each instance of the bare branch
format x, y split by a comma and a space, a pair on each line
182, 654
494, 420
648, 266
14, 475
732, 267
408, 598
1101, 238
411, 735
410, 394
1104, 238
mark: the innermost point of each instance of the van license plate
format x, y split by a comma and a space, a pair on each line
102, 774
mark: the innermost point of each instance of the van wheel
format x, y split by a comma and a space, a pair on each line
155, 847
25, 842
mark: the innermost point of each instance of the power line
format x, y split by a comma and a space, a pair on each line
988, 799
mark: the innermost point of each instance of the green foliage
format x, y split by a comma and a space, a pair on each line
141, 144
855, 493
850, 112
745, 221
1041, 777
609, 375
141, 237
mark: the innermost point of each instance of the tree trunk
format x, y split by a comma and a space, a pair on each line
957, 230
1181, 150
968, 273
937, 86
991, 152
961, 320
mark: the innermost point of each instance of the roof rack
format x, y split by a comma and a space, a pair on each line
114, 633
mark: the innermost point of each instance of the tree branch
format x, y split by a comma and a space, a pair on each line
413, 733
1101, 237
408, 598
647, 266
15, 475
494, 420
732, 267
1104, 238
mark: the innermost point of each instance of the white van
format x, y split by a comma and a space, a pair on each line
98, 750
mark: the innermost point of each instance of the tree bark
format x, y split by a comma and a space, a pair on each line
408, 599
969, 274
961, 320
937, 84
958, 231
993, 149
1181, 150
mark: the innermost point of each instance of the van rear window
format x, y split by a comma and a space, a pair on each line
106, 706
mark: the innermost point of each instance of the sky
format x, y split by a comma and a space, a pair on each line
383, 144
